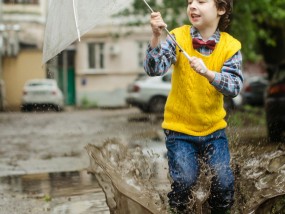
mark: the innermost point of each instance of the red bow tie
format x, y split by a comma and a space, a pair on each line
197, 43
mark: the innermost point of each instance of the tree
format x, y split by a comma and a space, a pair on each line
258, 24
255, 24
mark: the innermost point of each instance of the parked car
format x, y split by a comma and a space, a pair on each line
232, 103
149, 94
275, 104
253, 90
42, 93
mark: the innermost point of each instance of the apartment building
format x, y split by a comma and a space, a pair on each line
22, 28
94, 71
108, 59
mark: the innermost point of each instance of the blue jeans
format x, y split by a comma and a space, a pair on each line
183, 152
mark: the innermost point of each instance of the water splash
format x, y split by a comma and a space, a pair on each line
126, 176
136, 177
135, 174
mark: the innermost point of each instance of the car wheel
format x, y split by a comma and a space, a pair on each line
144, 109
26, 108
274, 131
57, 108
157, 104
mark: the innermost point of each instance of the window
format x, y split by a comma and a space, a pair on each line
21, 1
96, 55
142, 46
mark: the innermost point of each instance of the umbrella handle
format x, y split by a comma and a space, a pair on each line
170, 35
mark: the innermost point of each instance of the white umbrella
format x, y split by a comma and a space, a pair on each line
68, 20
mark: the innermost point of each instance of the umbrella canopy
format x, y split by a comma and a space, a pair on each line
67, 20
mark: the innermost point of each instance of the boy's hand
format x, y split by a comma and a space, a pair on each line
157, 24
198, 65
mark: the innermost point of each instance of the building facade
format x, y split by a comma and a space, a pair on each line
93, 72
22, 28
107, 60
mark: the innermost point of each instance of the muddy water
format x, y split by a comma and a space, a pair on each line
131, 176
32, 144
66, 192
135, 178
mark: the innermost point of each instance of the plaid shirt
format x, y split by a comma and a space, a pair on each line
229, 82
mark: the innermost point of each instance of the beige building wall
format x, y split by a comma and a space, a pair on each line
27, 22
16, 71
107, 86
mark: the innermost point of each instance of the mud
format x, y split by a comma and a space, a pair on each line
131, 167
258, 165
129, 177
53, 142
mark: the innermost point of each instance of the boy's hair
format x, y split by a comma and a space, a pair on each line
227, 5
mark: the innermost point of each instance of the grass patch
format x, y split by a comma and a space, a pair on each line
87, 104
47, 198
247, 116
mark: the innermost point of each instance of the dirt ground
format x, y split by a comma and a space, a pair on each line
43, 142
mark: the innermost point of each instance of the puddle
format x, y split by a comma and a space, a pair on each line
131, 180
136, 178
66, 192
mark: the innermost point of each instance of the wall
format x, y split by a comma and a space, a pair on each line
102, 90
15, 76
107, 87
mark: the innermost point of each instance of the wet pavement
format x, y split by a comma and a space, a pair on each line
38, 148
63, 192
44, 162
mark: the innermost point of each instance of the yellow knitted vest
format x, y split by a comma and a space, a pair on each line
194, 106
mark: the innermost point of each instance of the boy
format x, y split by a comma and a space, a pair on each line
194, 123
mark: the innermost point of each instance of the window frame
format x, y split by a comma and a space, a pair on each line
96, 55
29, 2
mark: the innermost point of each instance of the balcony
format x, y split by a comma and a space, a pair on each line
24, 11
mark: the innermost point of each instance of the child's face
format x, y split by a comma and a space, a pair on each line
203, 14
